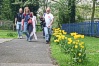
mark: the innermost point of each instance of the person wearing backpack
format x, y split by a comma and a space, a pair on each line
42, 25
18, 22
27, 14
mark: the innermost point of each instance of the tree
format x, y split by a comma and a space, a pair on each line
93, 10
43, 4
60, 11
0, 7
32, 4
72, 9
6, 10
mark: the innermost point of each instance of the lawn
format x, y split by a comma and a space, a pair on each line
7, 34
92, 51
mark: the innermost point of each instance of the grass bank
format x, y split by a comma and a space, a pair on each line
92, 51
8, 34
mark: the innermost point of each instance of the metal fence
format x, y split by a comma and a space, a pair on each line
86, 28
4, 25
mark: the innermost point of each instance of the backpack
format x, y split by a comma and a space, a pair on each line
30, 21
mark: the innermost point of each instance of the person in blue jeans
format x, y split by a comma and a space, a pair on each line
27, 16
49, 21
18, 22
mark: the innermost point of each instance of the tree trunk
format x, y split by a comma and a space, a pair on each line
72, 8
69, 8
93, 11
92, 18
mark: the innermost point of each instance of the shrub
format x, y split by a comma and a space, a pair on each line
11, 34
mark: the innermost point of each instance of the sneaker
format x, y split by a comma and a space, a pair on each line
21, 37
35, 38
29, 40
44, 37
47, 42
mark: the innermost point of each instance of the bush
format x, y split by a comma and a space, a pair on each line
11, 34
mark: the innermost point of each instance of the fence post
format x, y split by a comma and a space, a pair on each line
92, 28
98, 30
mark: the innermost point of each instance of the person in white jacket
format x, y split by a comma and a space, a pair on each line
33, 33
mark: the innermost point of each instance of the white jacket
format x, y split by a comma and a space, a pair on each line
34, 22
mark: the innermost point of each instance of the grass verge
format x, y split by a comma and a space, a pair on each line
92, 51
8, 34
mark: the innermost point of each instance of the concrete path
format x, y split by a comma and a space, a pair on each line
19, 52
4, 40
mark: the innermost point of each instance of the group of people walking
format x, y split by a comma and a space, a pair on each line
26, 24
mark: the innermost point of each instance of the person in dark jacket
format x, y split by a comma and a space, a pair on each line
43, 24
18, 22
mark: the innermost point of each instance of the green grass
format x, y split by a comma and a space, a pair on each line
8, 34
92, 51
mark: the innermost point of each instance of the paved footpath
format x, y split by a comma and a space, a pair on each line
19, 52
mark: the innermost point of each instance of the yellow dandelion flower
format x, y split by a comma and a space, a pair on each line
56, 40
79, 36
69, 42
65, 37
59, 38
76, 46
75, 37
58, 28
78, 40
81, 43
73, 34
64, 33
74, 42
82, 36
79, 60
79, 54
69, 39
82, 47
57, 35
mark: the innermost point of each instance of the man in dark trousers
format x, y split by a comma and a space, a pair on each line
43, 24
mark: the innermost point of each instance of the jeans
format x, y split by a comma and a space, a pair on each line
30, 30
43, 32
25, 31
48, 32
19, 28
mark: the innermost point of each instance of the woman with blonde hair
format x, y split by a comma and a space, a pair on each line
27, 16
